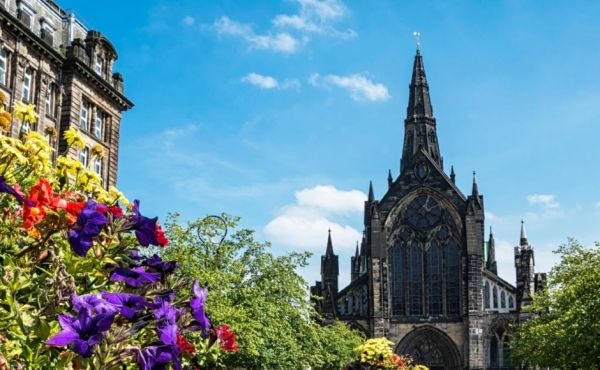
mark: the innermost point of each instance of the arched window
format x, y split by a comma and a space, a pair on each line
502, 300
3, 67
415, 263
511, 302
434, 279
486, 295
452, 278
495, 296
397, 258
494, 351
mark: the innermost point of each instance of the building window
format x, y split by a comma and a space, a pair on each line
84, 115
98, 65
25, 127
502, 300
495, 297
27, 76
98, 166
397, 256
98, 124
452, 278
511, 302
434, 277
84, 154
415, 289
486, 295
3, 67
50, 100
25, 14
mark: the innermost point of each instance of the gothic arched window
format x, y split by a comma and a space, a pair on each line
452, 278
494, 351
398, 265
511, 302
502, 299
434, 279
495, 297
415, 278
486, 295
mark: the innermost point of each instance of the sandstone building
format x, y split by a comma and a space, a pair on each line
49, 58
424, 275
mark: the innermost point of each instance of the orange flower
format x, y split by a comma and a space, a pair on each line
40, 195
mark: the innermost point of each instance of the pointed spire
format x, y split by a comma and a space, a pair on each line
419, 103
475, 191
491, 257
329, 251
523, 240
356, 253
452, 175
390, 179
371, 195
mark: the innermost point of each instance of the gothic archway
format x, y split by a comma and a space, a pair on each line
431, 347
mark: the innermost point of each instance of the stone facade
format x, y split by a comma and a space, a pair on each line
50, 59
425, 277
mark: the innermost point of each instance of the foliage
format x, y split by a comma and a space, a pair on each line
376, 353
564, 328
69, 251
260, 295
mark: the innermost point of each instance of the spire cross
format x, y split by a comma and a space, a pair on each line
417, 36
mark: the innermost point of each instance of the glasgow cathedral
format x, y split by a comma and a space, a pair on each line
425, 276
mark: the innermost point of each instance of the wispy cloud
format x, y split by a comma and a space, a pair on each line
304, 224
269, 83
544, 200
315, 16
281, 42
188, 20
360, 87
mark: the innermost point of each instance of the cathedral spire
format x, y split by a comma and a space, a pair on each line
356, 253
491, 257
329, 251
452, 175
419, 125
475, 191
390, 178
523, 241
371, 194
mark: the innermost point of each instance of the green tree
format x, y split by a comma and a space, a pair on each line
564, 332
261, 296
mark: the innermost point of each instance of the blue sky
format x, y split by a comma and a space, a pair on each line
282, 111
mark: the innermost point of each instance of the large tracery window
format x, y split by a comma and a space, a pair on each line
434, 279
415, 263
502, 300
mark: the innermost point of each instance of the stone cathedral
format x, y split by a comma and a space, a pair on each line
425, 276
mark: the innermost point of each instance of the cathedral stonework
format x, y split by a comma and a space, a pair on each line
424, 275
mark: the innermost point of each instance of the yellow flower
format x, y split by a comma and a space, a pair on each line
66, 166
98, 151
74, 138
112, 196
25, 112
12, 149
51, 131
38, 152
5, 119
89, 181
2, 98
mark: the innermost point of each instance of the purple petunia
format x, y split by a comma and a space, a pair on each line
92, 304
5, 188
89, 225
81, 332
156, 264
144, 227
197, 304
157, 357
134, 277
127, 304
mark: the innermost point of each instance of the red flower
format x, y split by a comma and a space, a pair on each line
116, 211
184, 345
226, 338
160, 236
40, 195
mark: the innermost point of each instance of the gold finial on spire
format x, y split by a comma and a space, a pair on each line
417, 36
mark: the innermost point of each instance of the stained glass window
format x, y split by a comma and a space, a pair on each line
452, 278
502, 299
495, 297
486, 295
397, 256
415, 258
434, 279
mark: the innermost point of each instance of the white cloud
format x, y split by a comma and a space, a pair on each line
315, 17
545, 200
188, 20
360, 87
328, 198
268, 82
280, 42
494, 218
305, 223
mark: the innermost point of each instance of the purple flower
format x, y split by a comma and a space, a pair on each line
81, 332
197, 304
5, 188
145, 228
156, 264
134, 277
92, 304
90, 222
127, 304
157, 357
166, 316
